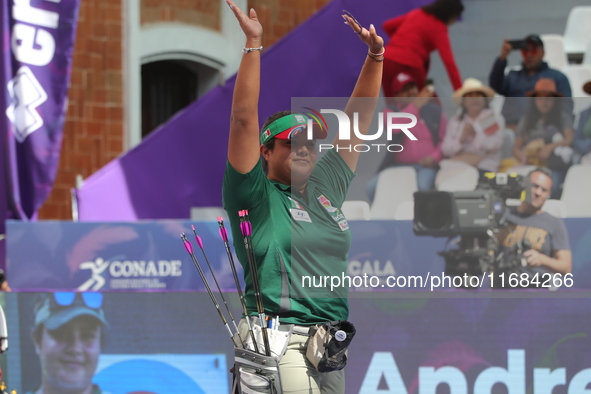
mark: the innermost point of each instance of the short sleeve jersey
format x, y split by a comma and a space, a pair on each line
298, 240
544, 232
542, 131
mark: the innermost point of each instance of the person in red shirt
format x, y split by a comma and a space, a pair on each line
413, 36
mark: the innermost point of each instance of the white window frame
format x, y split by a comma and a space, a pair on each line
219, 50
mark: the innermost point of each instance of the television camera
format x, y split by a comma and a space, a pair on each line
475, 216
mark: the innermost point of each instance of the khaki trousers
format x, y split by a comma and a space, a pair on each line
298, 375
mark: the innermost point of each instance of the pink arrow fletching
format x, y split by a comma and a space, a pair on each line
188, 247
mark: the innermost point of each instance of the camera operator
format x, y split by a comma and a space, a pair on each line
535, 241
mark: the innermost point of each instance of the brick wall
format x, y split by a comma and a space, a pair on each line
279, 17
93, 131
204, 13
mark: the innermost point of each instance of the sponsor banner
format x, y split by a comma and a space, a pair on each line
140, 256
149, 256
471, 345
154, 343
174, 342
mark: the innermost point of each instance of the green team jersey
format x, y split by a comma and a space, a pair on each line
294, 237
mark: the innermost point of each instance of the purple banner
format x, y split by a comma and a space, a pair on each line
149, 256
462, 344
175, 343
35, 72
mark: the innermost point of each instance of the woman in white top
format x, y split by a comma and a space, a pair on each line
475, 134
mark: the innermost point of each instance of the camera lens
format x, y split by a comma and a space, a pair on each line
433, 211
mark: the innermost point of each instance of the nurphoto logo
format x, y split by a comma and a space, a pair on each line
400, 121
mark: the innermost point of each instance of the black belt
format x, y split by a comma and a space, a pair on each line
294, 328
299, 330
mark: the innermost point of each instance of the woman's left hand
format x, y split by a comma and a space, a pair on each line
250, 25
370, 37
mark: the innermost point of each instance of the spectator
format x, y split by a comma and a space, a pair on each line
535, 237
582, 141
545, 135
425, 153
413, 36
475, 134
518, 82
68, 334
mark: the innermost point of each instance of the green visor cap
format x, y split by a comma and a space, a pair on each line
287, 127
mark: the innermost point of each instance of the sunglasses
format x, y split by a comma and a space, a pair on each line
93, 300
533, 51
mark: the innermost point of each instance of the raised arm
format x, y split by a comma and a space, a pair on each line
445, 51
243, 145
367, 89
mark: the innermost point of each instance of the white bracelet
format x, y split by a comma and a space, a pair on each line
247, 50
377, 54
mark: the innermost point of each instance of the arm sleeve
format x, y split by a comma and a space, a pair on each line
391, 25
563, 86
560, 236
332, 172
444, 47
496, 78
567, 120
244, 191
581, 143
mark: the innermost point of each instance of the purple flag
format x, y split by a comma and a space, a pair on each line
38, 39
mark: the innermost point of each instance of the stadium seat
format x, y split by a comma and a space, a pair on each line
587, 55
577, 32
555, 208
576, 191
577, 76
405, 211
356, 210
456, 176
554, 48
395, 185
497, 103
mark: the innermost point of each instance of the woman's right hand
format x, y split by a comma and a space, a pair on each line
468, 133
250, 24
505, 49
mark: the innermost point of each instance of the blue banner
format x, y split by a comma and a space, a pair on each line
149, 256
175, 343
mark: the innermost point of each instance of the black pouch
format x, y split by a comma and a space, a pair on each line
255, 373
327, 347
